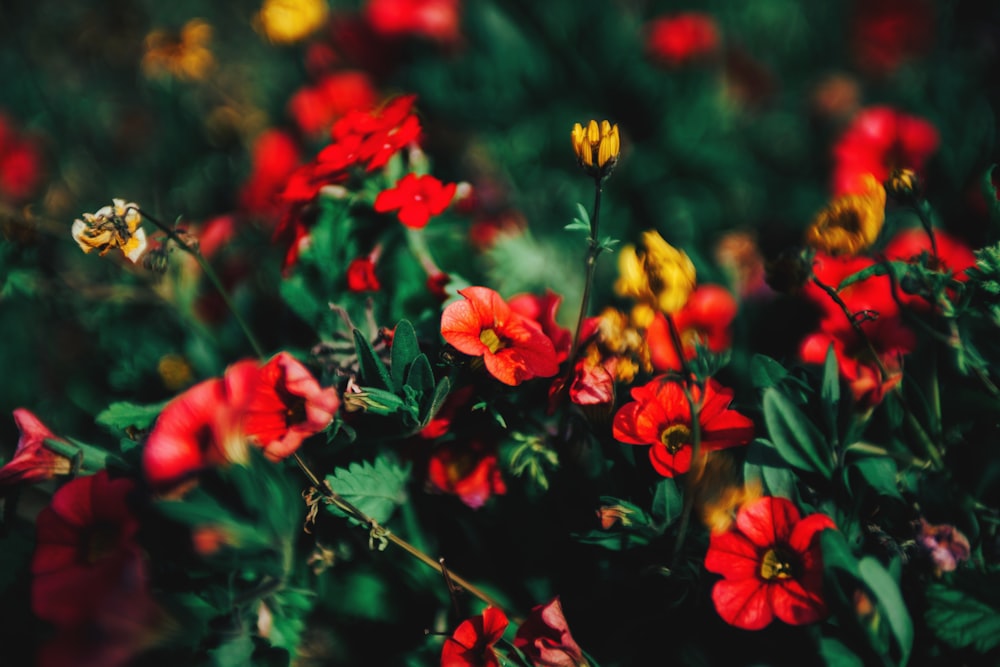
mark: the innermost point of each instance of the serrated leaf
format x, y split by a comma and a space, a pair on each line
373, 371
120, 416
960, 620
766, 372
796, 438
404, 350
891, 602
376, 489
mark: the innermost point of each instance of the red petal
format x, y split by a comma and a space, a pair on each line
668, 464
415, 215
743, 603
461, 327
768, 520
733, 556
795, 605
801, 539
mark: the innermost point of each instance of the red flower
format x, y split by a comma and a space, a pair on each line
542, 309
545, 639
361, 275
772, 565
472, 643
660, 416
417, 198
593, 381
283, 403
879, 140
886, 33
380, 133
681, 38
441, 422
275, 157
873, 294
468, 470
20, 164
84, 548
514, 348
706, 317
316, 108
953, 256
33, 460
435, 19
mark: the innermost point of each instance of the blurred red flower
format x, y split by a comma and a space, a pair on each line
361, 275
315, 108
468, 470
953, 256
20, 164
682, 38
878, 140
887, 33
379, 133
417, 198
772, 565
543, 309
471, 645
545, 639
706, 317
275, 157
659, 415
514, 348
33, 460
435, 19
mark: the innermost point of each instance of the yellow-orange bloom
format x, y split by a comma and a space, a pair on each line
850, 223
657, 274
185, 56
597, 146
290, 21
115, 226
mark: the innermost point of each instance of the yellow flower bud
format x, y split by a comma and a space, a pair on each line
597, 146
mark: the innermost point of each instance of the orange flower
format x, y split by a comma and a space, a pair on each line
513, 348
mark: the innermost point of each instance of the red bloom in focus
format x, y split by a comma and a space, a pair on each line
886, 33
468, 470
681, 38
514, 348
435, 19
380, 133
20, 164
283, 403
705, 318
471, 645
275, 156
879, 140
417, 198
361, 275
660, 416
33, 460
545, 639
85, 548
316, 108
542, 309
772, 565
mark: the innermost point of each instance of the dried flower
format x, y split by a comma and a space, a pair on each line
597, 147
945, 544
115, 226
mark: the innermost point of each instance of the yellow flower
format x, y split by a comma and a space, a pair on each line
658, 275
186, 56
597, 147
290, 21
115, 226
903, 185
850, 223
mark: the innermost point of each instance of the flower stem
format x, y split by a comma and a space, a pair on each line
694, 474
925, 221
212, 276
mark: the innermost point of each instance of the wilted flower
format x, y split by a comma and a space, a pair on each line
545, 639
852, 222
289, 21
772, 565
658, 274
597, 147
945, 544
33, 460
185, 56
115, 226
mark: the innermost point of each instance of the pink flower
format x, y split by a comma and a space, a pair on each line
33, 460
417, 198
545, 639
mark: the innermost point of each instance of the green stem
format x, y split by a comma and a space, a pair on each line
212, 276
925, 221
694, 474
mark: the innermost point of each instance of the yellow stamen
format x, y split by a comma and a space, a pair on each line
491, 340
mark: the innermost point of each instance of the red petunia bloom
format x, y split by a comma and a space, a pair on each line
435, 19
542, 309
682, 38
361, 275
468, 470
706, 317
381, 133
545, 639
513, 348
33, 460
316, 108
772, 565
275, 157
471, 645
417, 198
660, 416
878, 140
84, 550
282, 403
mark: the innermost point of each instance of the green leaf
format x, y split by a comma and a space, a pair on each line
990, 194
879, 472
420, 376
836, 654
766, 467
668, 501
891, 602
234, 651
373, 371
436, 401
376, 489
119, 417
797, 439
766, 372
960, 620
404, 350
830, 391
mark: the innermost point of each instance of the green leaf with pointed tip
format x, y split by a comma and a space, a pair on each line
122, 415
797, 439
890, 600
376, 489
420, 376
668, 501
437, 399
830, 391
404, 350
373, 371
766, 372
879, 472
836, 654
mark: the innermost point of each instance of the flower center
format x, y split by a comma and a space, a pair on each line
777, 563
491, 340
674, 437
99, 541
